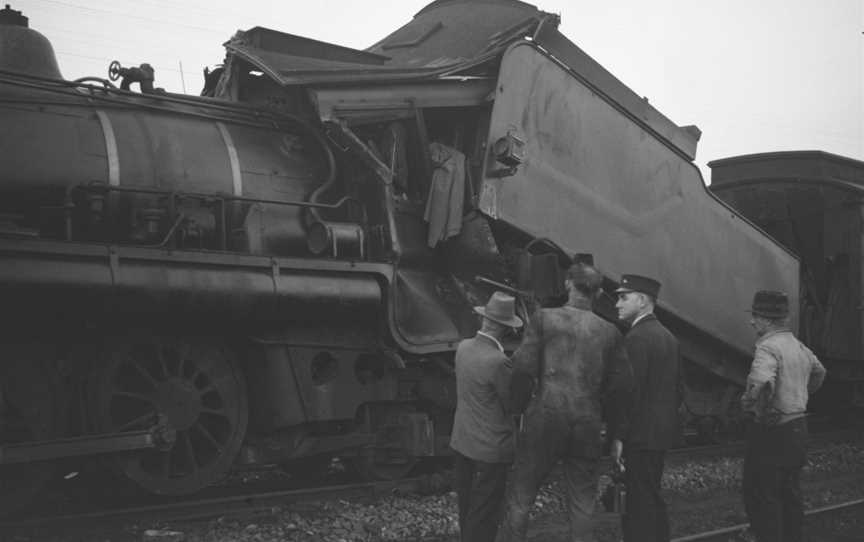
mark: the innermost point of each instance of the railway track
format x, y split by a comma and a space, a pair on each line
249, 503
722, 535
737, 447
241, 505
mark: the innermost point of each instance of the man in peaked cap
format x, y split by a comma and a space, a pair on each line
653, 421
784, 372
583, 378
483, 428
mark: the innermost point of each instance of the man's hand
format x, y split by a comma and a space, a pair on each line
617, 450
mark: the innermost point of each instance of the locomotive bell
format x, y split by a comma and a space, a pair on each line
24, 50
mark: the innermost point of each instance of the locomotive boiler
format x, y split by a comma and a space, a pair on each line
279, 271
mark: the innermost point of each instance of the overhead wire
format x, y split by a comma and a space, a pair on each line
227, 31
132, 16
158, 66
209, 10
146, 50
162, 63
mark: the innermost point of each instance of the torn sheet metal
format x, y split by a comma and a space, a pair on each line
447, 38
443, 38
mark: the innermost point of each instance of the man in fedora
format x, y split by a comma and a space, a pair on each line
583, 378
483, 428
784, 372
653, 421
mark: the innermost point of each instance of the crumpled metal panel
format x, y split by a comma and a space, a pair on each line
288, 69
595, 179
445, 38
452, 32
442, 38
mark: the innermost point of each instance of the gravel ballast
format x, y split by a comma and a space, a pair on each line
702, 494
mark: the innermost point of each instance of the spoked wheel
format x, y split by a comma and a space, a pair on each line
31, 409
192, 384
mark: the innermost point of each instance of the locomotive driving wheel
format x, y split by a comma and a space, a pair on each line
31, 408
192, 384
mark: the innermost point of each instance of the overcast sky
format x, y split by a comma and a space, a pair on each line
754, 75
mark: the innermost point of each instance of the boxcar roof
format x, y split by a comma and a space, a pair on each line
807, 166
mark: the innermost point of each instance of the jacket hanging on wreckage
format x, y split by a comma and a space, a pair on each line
446, 193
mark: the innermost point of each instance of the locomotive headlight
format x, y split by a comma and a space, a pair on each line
509, 150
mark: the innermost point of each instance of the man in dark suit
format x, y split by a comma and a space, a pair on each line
483, 428
654, 426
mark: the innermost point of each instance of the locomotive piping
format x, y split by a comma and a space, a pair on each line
213, 103
331, 175
67, 89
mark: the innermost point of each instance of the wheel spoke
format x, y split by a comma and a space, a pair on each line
198, 372
181, 361
165, 462
185, 359
210, 388
132, 395
208, 435
190, 452
139, 421
145, 373
215, 412
160, 356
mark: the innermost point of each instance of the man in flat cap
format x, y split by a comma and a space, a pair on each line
483, 428
583, 378
784, 372
653, 421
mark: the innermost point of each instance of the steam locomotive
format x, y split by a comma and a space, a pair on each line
279, 271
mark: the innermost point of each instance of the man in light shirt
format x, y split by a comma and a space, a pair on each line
783, 374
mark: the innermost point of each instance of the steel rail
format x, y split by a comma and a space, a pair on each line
846, 433
815, 439
708, 535
242, 504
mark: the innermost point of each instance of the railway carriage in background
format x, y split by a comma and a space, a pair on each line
811, 202
280, 270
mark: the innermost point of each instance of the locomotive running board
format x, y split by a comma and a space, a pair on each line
159, 437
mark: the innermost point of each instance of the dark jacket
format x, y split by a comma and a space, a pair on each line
656, 359
483, 429
580, 365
